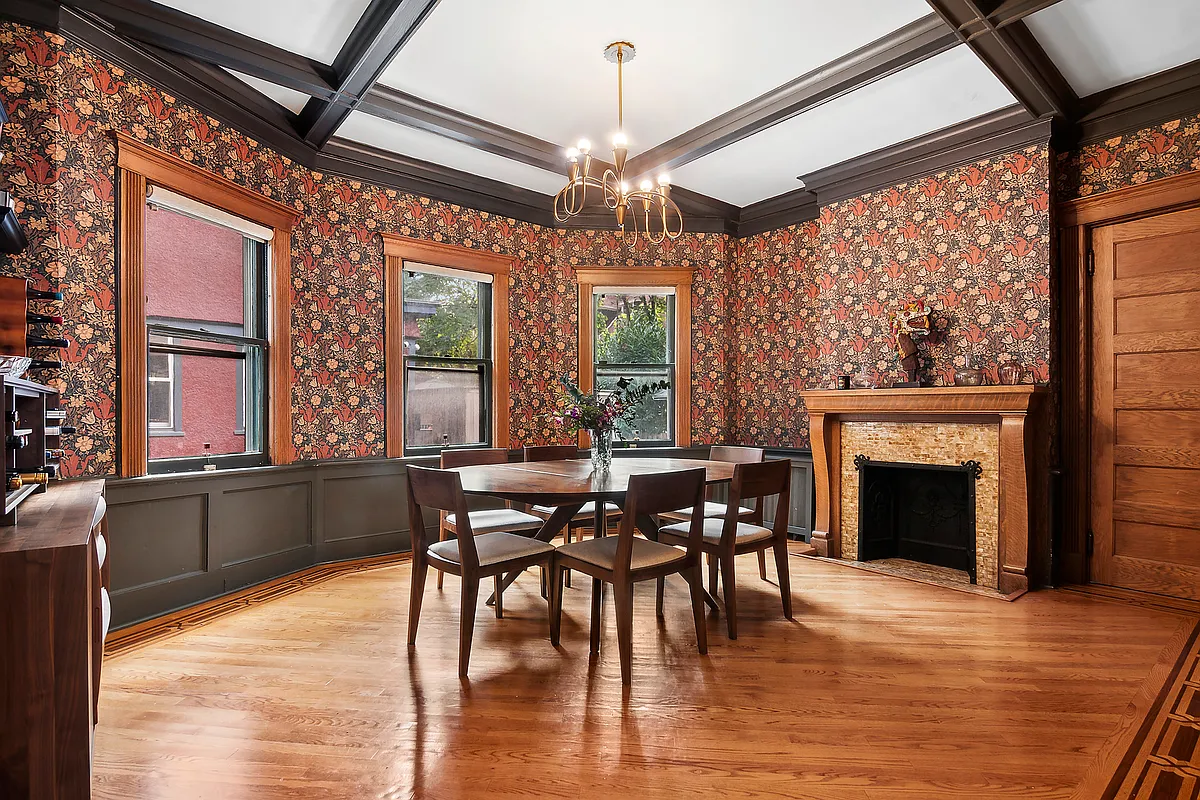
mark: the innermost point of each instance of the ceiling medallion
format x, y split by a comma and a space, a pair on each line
647, 211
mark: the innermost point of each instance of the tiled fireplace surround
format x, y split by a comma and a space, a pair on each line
945, 426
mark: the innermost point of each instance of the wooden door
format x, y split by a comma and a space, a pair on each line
1146, 405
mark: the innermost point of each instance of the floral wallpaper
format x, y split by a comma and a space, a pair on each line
813, 301
772, 314
60, 163
1161, 151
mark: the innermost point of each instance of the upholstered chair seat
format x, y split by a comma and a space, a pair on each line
499, 519
744, 533
493, 548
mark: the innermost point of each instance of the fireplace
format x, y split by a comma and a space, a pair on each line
917, 512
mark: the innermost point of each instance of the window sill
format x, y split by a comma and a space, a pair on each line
164, 432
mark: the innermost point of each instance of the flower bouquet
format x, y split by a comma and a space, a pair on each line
602, 413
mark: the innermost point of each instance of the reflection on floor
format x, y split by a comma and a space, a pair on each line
881, 688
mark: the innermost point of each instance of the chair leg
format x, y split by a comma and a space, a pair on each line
556, 598
470, 598
762, 564
416, 593
712, 574
567, 540
785, 578
498, 579
623, 599
441, 538
695, 579
658, 596
729, 585
597, 612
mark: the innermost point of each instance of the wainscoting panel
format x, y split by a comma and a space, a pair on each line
161, 540
363, 506
279, 516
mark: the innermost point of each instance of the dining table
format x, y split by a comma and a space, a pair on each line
569, 484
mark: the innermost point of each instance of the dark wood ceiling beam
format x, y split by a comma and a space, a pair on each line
909, 45
1006, 12
406, 109
199, 39
385, 27
1013, 56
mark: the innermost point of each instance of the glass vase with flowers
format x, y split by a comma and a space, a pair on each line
602, 413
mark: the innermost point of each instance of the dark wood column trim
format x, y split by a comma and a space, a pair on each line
131, 323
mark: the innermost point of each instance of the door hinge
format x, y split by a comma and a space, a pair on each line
1091, 263
1091, 542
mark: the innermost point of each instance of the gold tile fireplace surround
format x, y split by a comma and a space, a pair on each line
1000, 427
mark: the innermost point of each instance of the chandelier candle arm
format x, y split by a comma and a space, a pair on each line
661, 218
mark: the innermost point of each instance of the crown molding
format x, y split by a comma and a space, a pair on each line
168, 29
1139, 104
901, 48
1000, 132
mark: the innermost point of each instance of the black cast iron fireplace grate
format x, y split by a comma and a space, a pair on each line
918, 512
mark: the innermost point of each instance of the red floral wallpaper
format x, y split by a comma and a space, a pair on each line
772, 314
63, 102
813, 301
1157, 152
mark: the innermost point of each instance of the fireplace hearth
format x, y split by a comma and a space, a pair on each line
918, 512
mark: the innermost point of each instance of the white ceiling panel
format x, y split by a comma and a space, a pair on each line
944, 90
313, 28
537, 66
288, 98
367, 129
1098, 44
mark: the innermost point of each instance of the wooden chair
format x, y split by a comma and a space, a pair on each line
472, 556
508, 519
730, 455
585, 519
626, 559
729, 537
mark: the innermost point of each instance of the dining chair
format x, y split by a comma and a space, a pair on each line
729, 454
585, 518
728, 537
507, 519
472, 556
626, 559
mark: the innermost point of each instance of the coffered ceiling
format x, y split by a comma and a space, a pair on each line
745, 103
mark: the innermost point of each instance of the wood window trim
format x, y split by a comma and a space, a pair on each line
400, 249
1075, 220
677, 278
138, 167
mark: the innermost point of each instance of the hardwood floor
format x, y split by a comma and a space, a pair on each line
881, 688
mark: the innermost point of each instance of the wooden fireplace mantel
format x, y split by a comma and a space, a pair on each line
1009, 407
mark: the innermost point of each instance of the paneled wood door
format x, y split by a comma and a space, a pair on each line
1146, 404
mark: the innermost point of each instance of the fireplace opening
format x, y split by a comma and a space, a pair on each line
917, 512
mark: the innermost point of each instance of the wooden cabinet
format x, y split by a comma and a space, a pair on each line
54, 567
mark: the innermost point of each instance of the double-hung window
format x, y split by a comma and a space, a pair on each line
447, 344
206, 333
634, 339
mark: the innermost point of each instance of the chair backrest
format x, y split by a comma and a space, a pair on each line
755, 481
732, 454
735, 455
439, 490
658, 493
551, 452
474, 457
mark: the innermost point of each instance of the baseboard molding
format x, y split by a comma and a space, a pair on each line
185, 619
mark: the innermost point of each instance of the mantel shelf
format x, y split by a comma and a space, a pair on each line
933, 400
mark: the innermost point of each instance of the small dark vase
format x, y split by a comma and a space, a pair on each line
968, 375
1011, 373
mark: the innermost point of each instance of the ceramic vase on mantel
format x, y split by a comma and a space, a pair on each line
602, 450
968, 375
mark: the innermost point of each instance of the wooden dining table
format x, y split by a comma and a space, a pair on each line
568, 485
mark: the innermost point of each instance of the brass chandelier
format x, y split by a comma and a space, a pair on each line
648, 210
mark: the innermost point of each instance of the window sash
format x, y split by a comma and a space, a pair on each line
647, 372
480, 366
664, 370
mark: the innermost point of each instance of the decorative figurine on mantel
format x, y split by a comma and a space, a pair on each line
910, 324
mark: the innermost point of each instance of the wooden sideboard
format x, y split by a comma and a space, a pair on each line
54, 572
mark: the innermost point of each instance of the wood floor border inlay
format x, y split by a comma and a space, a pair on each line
155, 630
